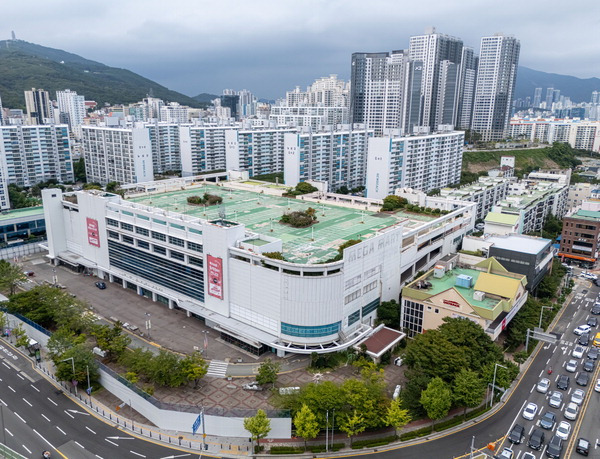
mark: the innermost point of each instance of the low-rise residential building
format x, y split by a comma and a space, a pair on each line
580, 235
484, 292
16, 226
581, 134
486, 192
578, 193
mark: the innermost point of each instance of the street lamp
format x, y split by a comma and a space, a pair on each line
89, 387
494, 382
148, 324
542, 313
74, 380
205, 333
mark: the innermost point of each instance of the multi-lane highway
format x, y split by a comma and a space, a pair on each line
36, 416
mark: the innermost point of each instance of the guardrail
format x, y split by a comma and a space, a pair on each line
7, 453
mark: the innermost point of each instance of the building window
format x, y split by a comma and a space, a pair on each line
113, 235
354, 317
142, 231
195, 261
143, 245
111, 222
412, 317
310, 331
159, 249
195, 247
126, 226
369, 308
177, 255
353, 296
161, 271
159, 236
176, 241
128, 239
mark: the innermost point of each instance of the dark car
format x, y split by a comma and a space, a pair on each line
555, 446
592, 322
516, 434
584, 339
582, 379
595, 309
548, 420
563, 382
593, 353
588, 365
536, 440
100, 285
583, 446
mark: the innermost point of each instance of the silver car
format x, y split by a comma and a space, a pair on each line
571, 366
543, 385
571, 411
577, 396
556, 399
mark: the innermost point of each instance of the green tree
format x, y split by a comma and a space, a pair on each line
267, 373
366, 398
194, 367
112, 340
437, 400
166, 370
21, 338
520, 357
467, 389
411, 392
112, 187
320, 398
11, 275
388, 313
307, 426
137, 360
3, 322
259, 426
79, 170
504, 376
84, 361
62, 340
352, 425
393, 202
305, 188
396, 416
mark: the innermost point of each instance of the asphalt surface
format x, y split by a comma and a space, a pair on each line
37, 416
495, 427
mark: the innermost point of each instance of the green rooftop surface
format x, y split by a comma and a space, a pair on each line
497, 217
20, 213
260, 213
449, 280
587, 215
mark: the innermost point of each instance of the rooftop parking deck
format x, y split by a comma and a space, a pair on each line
260, 213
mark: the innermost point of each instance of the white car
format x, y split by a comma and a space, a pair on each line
571, 366
543, 385
577, 352
577, 396
555, 400
571, 411
597, 386
582, 330
588, 275
530, 411
563, 430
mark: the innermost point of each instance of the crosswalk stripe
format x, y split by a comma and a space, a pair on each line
217, 368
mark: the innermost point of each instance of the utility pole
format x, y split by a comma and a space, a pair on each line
327, 431
74, 380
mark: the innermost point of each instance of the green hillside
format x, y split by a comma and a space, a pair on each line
26, 65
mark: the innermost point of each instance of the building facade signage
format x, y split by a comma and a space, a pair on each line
92, 231
452, 303
215, 276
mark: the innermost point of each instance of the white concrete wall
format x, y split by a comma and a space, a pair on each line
182, 422
378, 164
291, 159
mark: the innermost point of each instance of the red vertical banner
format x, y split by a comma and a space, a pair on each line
215, 276
92, 231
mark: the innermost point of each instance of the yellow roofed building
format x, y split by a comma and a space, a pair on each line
484, 292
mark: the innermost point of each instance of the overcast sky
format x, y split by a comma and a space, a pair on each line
270, 46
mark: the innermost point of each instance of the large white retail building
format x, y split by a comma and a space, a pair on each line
210, 261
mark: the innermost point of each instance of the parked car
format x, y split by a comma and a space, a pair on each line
577, 352
582, 379
100, 285
252, 386
516, 434
577, 396
571, 411
597, 386
506, 453
528, 455
571, 366
548, 420
555, 446
583, 446
563, 430
563, 382
582, 329
589, 365
530, 411
555, 400
543, 385
536, 440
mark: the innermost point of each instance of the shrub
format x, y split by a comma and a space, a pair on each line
274, 255
297, 219
194, 200
322, 448
374, 442
286, 450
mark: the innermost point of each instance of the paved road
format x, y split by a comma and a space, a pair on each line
37, 416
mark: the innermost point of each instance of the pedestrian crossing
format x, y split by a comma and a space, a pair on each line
217, 369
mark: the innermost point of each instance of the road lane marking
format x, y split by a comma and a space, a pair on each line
3, 402
61, 431
34, 387
17, 415
8, 432
6, 365
20, 376
90, 430
27, 449
27, 402
137, 454
52, 401
44, 416
78, 444
39, 435
111, 442
99, 457
12, 389
69, 414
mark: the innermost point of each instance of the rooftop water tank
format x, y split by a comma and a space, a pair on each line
439, 271
462, 280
